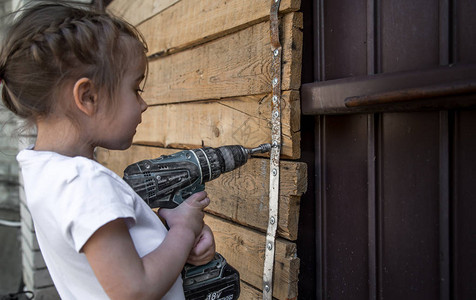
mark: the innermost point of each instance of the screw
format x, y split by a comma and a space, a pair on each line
275, 99
272, 220
266, 287
276, 114
275, 172
276, 52
270, 246
275, 81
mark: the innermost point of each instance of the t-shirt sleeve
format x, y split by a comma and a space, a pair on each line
95, 199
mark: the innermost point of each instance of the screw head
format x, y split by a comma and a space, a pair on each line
270, 246
276, 52
267, 288
272, 220
275, 81
275, 172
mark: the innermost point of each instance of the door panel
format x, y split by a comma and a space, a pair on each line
344, 185
394, 205
408, 205
464, 206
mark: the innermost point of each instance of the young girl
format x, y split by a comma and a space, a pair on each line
76, 75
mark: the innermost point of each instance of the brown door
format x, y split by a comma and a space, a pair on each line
389, 134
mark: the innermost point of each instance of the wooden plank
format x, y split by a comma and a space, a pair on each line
240, 195
191, 22
249, 292
235, 65
241, 120
244, 249
136, 12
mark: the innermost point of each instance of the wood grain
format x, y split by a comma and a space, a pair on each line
238, 120
237, 64
190, 22
244, 249
136, 12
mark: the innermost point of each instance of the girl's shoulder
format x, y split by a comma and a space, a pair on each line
79, 178
64, 166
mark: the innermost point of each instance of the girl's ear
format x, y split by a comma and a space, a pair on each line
85, 96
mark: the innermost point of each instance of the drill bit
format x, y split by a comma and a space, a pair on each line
260, 149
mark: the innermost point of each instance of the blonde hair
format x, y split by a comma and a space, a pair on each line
50, 44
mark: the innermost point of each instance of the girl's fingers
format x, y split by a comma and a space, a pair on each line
199, 200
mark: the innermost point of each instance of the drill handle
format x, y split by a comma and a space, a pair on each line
186, 192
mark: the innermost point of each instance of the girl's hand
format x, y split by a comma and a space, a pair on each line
188, 215
204, 249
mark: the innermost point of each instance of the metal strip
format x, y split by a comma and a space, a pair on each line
327, 97
276, 51
413, 94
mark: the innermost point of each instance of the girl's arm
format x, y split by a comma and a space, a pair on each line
124, 275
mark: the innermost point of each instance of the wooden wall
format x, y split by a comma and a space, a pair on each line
209, 84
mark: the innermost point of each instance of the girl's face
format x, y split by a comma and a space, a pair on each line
118, 125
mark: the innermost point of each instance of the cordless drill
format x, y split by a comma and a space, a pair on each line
168, 180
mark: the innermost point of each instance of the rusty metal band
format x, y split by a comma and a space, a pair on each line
276, 53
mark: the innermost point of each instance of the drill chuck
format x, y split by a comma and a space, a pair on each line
168, 180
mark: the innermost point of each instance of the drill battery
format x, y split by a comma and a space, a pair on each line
213, 281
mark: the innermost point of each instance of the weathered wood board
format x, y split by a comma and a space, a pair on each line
234, 65
244, 249
190, 22
136, 12
240, 195
249, 292
240, 120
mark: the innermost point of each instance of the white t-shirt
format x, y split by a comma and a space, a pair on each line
69, 198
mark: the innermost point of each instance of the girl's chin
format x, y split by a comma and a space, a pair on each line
119, 146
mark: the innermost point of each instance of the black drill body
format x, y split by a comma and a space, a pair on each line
170, 179
167, 181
